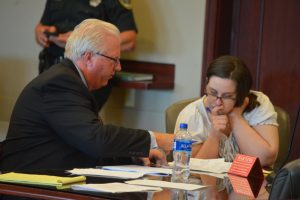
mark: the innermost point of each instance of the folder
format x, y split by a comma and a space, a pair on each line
43, 180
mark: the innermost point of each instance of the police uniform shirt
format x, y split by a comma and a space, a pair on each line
66, 14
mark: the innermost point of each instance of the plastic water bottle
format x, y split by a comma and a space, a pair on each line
182, 150
179, 194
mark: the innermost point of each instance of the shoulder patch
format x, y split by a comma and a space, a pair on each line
126, 4
95, 3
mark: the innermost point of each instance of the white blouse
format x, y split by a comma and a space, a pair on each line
199, 125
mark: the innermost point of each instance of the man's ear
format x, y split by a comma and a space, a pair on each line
87, 58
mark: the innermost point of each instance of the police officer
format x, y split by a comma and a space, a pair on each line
61, 16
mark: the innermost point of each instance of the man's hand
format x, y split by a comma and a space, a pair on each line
155, 156
165, 141
61, 39
40, 36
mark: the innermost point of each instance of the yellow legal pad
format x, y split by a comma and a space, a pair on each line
45, 180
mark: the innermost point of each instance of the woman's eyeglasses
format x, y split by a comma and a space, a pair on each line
224, 98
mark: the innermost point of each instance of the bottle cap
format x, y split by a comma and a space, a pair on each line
183, 125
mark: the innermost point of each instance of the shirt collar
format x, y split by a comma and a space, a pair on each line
81, 75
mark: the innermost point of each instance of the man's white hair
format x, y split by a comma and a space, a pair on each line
89, 35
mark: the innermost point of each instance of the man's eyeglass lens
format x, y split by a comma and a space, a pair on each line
116, 60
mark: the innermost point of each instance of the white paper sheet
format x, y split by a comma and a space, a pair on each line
114, 188
182, 186
106, 173
158, 171
217, 175
209, 165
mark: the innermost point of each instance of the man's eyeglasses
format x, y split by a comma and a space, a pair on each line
116, 60
224, 98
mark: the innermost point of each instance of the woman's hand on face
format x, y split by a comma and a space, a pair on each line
238, 111
220, 123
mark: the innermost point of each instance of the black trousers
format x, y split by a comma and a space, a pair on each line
46, 60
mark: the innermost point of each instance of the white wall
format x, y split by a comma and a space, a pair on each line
18, 49
170, 31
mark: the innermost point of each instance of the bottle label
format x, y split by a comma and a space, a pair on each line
182, 145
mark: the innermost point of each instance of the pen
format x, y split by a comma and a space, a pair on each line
207, 109
194, 142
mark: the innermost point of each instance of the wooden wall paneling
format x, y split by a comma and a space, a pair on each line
280, 71
280, 66
266, 34
246, 34
217, 32
163, 75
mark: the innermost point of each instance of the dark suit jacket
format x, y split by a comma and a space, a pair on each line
55, 124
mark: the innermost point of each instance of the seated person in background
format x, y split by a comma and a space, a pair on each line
230, 118
55, 123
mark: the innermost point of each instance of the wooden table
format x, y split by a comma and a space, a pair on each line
217, 189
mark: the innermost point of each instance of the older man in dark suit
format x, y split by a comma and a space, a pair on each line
55, 121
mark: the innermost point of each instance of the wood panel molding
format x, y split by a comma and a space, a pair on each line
163, 75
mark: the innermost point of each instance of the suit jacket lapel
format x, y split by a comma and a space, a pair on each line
68, 63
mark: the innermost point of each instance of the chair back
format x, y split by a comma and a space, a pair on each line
287, 182
173, 111
284, 130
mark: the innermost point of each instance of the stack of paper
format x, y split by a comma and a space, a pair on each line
45, 180
217, 165
210, 165
154, 171
106, 173
136, 186
182, 186
114, 188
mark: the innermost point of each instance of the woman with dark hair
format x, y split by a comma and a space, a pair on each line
230, 118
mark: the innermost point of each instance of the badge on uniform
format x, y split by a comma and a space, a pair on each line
95, 3
126, 4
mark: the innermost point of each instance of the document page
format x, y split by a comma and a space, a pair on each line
166, 184
114, 188
158, 171
106, 173
217, 165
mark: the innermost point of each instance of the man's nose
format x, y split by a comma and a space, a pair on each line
118, 67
